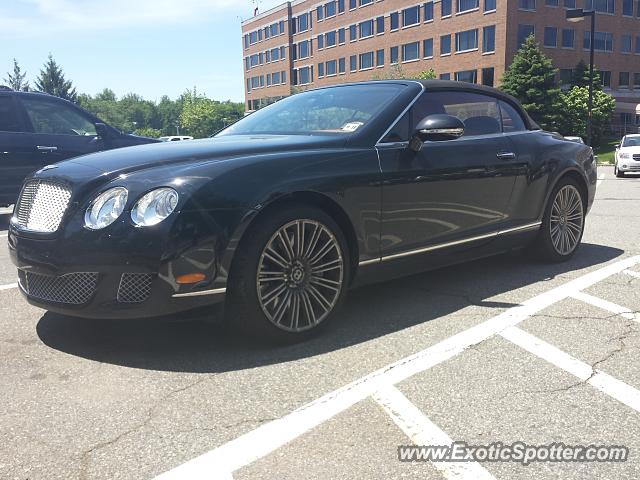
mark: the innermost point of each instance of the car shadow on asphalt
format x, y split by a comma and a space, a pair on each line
192, 345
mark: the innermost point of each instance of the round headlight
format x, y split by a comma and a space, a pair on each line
106, 208
154, 207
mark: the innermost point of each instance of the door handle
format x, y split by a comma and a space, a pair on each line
44, 149
506, 156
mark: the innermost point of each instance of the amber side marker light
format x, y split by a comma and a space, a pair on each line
190, 278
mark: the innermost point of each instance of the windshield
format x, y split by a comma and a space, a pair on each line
631, 142
339, 110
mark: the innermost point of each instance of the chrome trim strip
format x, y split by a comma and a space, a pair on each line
445, 131
430, 248
529, 226
393, 124
215, 291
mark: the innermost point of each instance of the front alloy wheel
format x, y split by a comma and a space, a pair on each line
300, 275
289, 275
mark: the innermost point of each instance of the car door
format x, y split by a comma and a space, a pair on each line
60, 130
451, 191
15, 150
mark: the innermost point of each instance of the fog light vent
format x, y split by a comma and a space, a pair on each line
134, 287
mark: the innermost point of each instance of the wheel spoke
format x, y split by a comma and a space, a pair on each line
327, 267
275, 257
283, 236
282, 308
274, 294
323, 252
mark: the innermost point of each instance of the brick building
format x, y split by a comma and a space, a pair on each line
311, 43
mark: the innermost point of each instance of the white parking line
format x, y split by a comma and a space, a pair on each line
605, 383
632, 273
605, 305
8, 287
423, 431
600, 179
272, 435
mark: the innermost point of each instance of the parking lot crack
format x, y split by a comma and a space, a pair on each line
150, 415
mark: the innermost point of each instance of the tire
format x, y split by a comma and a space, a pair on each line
273, 293
563, 223
617, 172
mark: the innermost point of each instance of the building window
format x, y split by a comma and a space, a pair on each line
365, 2
320, 70
523, 33
410, 51
568, 35
489, 5
303, 22
624, 79
267, 56
627, 8
393, 55
428, 11
394, 20
489, 39
366, 29
427, 48
605, 77
303, 49
366, 60
352, 4
330, 9
466, 41
340, 6
303, 76
626, 43
445, 44
341, 65
411, 16
380, 25
487, 76
570, 3
603, 41
566, 78
445, 76
550, 37
330, 39
341, 36
600, 6
331, 68
527, 4
636, 80
353, 33
320, 41
445, 8
379, 58
353, 63
469, 76
466, 5
319, 12
551, 3
246, 41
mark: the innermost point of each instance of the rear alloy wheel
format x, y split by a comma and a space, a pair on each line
563, 223
289, 276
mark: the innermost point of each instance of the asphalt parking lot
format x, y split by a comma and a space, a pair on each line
503, 349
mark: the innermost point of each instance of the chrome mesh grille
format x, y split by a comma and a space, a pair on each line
41, 206
134, 287
73, 288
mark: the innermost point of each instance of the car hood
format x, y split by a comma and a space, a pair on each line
629, 149
133, 159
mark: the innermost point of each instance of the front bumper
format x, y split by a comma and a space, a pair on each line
628, 165
115, 280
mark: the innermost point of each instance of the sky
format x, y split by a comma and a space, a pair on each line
149, 47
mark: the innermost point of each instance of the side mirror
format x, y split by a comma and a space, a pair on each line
617, 146
436, 128
103, 131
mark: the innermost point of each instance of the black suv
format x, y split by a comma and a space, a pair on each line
37, 129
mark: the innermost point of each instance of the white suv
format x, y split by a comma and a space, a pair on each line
628, 155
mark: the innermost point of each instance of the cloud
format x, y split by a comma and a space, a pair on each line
38, 17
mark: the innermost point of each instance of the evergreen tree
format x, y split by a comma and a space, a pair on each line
531, 78
52, 81
580, 76
17, 79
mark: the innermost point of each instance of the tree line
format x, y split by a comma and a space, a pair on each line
193, 113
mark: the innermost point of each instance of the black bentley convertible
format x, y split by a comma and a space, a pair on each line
280, 214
